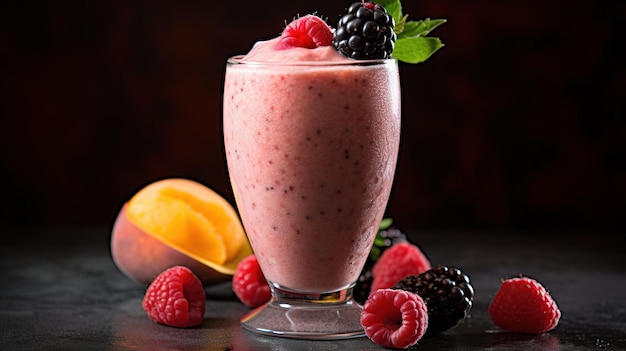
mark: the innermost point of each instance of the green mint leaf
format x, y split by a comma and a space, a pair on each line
420, 28
375, 252
393, 7
385, 223
412, 45
398, 28
379, 241
416, 49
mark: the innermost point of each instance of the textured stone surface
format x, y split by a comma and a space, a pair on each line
66, 294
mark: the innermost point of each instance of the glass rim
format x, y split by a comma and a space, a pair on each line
238, 60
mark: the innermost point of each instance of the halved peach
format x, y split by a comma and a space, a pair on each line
178, 222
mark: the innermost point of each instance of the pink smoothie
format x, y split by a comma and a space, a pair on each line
311, 153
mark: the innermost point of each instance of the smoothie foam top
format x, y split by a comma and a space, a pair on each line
268, 51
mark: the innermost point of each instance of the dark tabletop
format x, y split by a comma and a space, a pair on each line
60, 290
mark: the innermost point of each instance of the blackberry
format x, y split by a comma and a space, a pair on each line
447, 292
385, 238
365, 32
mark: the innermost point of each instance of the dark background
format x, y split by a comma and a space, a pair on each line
518, 123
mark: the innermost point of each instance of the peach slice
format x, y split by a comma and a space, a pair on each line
178, 222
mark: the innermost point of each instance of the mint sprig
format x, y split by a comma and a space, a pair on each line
413, 44
379, 241
385, 223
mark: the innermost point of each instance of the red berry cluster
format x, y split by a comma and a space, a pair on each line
249, 283
394, 318
175, 298
523, 305
397, 262
308, 32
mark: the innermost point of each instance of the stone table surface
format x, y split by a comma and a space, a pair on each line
60, 290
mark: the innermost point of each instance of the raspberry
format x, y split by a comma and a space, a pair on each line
365, 32
175, 298
397, 262
249, 284
394, 318
523, 305
447, 292
308, 31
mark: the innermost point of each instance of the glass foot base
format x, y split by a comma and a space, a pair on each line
328, 316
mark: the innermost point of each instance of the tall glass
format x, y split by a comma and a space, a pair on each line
311, 151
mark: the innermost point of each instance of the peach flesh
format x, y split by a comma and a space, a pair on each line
142, 256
